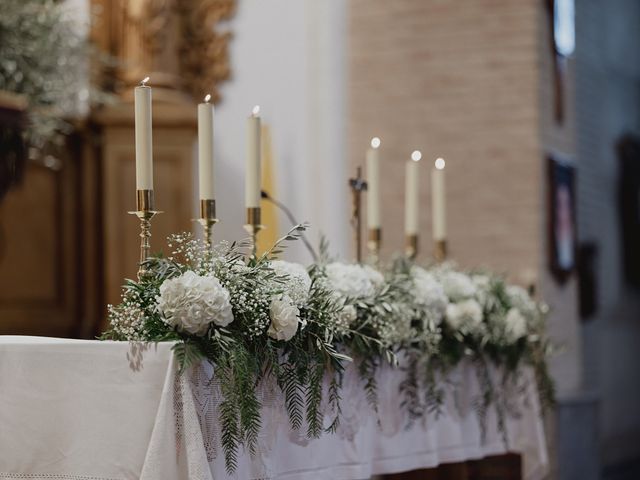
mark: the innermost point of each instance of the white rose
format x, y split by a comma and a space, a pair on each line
515, 325
458, 286
298, 283
427, 291
465, 316
353, 281
192, 302
284, 318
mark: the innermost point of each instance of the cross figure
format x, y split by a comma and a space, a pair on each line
358, 185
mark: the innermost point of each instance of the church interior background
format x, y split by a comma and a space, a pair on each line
505, 91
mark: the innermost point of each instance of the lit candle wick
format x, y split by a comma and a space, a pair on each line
207, 98
144, 81
416, 155
375, 142
255, 111
440, 163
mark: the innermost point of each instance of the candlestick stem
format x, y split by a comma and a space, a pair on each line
145, 212
440, 250
358, 185
207, 219
411, 246
253, 226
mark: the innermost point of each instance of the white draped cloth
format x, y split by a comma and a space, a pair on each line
91, 410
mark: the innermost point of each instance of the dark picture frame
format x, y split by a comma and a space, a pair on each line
561, 217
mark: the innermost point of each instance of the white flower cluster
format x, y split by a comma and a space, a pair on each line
394, 327
284, 318
428, 293
477, 305
127, 319
464, 312
191, 303
297, 281
457, 286
353, 281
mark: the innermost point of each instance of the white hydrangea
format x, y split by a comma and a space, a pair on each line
427, 291
284, 318
457, 286
376, 278
192, 302
515, 325
483, 286
353, 281
298, 283
520, 299
465, 316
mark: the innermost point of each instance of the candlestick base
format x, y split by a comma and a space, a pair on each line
207, 219
145, 212
440, 250
374, 243
411, 246
253, 226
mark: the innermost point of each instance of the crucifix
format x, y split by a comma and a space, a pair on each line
358, 185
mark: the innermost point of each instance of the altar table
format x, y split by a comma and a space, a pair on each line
91, 410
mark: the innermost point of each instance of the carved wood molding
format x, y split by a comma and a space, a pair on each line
203, 51
176, 42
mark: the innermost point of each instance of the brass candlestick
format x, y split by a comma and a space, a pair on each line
253, 226
207, 219
358, 185
374, 243
145, 212
440, 250
411, 246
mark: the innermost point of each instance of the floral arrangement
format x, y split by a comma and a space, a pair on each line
258, 317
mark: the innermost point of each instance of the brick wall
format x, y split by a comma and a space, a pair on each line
457, 80
469, 81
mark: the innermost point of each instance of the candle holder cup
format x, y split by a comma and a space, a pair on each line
440, 250
207, 219
253, 226
145, 212
411, 246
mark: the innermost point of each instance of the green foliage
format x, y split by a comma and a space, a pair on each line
388, 322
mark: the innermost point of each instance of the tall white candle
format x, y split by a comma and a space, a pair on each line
144, 143
373, 184
438, 201
252, 164
412, 192
205, 150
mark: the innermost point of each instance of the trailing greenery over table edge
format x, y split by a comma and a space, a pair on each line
256, 317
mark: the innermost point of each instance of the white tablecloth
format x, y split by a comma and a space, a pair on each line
89, 410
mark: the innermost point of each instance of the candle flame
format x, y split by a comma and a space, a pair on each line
440, 163
144, 81
256, 111
375, 142
207, 98
416, 155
